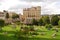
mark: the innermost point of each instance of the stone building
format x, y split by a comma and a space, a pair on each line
8, 20
29, 14
2, 15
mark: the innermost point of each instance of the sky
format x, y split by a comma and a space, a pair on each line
47, 6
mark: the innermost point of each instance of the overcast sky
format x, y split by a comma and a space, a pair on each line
47, 6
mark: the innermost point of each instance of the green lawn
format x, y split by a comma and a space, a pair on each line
11, 34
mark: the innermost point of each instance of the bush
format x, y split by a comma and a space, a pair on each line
49, 26
25, 30
34, 33
14, 16
2, 23
17, 22
46, 20
18, 35
59, 23
32, 28
54, 20
7, 24
34, 22
41, 22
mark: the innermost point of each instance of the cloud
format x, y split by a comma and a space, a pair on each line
47, 6
0, 4
0, 0
32, 0
6, 4
52, 8
19, 7
40, 0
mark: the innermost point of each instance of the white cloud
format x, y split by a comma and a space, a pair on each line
7, 4
51, 8
47, 6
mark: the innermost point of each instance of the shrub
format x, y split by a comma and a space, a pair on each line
17, 22
32, 28
34, 22
15, 16
2, 23
34, 33
46, 20
18, 34
59, 23
54, 20
49, 26
41, 22
25, 30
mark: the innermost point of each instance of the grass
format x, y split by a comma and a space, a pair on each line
11, 34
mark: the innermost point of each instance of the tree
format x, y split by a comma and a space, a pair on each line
46, 20
34, 22
7, 15
54, 20
48, 26
1, 23
59, 23
17, 22
14, 16
41, 22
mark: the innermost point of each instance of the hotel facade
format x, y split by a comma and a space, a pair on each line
29, 14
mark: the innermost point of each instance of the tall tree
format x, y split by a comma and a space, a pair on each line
14, 16
34, 22
46, 20
41, 22
54, 20
59, 23
1, 23
7, 15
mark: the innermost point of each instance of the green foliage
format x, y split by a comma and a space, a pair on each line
15, 16
2, 23
49, 26
17, 22
31, 28
34, 33
7, 15
46, 20
54, 20
20, 36
34, 22
25, 30
41, 22
59, 23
